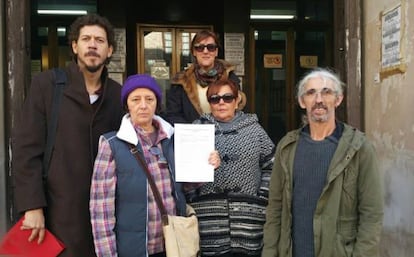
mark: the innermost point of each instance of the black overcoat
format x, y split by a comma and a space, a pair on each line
66, 198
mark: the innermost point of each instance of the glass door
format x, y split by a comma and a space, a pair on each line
273, 66
164, 50
281, 58
287, 39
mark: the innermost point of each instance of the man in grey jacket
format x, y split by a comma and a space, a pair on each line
325, 193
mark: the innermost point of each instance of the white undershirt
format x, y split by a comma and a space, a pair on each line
93, 98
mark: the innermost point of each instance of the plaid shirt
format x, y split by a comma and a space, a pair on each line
103, 188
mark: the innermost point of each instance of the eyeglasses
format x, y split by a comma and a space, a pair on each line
210, 47
215, 99
324, 92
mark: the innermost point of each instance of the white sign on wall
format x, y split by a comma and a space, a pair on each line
391, 38
118, 61
234, 50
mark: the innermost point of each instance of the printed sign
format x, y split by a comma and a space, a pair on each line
273, 60
308, 61
391, 38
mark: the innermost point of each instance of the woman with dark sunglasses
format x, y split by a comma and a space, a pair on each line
186, 99
231, 210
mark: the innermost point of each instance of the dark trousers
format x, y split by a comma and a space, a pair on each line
158, 255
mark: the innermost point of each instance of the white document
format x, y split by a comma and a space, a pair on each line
193, 145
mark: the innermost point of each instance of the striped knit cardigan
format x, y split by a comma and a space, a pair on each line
231, 210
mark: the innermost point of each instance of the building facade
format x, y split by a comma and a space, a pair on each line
347, 35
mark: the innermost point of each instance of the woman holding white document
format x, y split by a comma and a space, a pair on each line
125, 218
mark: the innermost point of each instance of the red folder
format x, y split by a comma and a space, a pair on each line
15, 243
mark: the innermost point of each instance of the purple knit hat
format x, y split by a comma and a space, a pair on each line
140, 81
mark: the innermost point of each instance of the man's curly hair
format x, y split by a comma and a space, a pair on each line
90, 20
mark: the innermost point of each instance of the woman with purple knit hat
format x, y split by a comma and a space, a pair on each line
124, 215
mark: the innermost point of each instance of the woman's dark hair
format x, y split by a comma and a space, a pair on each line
203, 34
90, 20
215, 86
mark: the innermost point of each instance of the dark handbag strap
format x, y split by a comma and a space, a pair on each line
60, 82
157, 195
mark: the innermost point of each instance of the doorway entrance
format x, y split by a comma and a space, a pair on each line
282, 52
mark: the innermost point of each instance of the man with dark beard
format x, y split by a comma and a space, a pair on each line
90, 106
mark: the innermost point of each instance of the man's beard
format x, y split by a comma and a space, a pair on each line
319, 119
93, 69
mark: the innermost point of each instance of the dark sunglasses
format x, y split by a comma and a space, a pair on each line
215, 99
210, 47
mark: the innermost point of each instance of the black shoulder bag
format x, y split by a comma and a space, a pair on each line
60, 83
